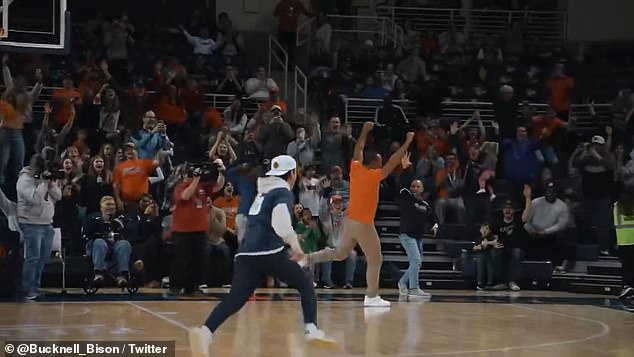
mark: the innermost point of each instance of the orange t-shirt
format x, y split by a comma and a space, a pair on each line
213, 119
364, 192
63, 111
170, 113
542, 130
560, 92
12, 118
133, 178
230, 207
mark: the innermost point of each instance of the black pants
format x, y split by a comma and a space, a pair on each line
510, 261
626, 256
247, 276
553, 247
217, 271
477, 211
189, 260
154, 256
287, 40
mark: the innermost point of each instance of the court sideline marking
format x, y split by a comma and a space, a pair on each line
605, 329
157, 315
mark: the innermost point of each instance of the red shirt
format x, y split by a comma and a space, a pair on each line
288, 11
191, 215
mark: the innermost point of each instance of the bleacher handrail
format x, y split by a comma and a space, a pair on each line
274, 48
302, 29
301, 87
482, 22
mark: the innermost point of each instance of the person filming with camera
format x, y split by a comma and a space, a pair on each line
191, 222
38, 190
103, 231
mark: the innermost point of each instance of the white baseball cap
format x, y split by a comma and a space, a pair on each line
281, 165
598, 139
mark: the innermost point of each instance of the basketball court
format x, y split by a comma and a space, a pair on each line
453, 323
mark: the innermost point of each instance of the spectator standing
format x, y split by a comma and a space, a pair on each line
244, 177
189, 230
151, 138
203, 44
559, 87
416, 217
520, 161
132, 178
596, 165
624, 215
259, 86
288, 12
310, 191
235, 117
302, 149
37, 193
229, 203
275, 135
333, 146
65, 98
95, 185
450, 184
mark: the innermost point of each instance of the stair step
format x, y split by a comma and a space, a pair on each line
610, 289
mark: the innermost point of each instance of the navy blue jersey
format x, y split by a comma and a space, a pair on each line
260, 238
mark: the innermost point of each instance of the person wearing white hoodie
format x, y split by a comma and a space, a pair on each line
37, 194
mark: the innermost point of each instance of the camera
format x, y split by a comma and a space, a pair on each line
207, 170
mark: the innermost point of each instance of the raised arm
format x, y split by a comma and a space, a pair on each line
360, 146
526, 213
395, 159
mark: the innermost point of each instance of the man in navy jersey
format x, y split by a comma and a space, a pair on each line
263, 252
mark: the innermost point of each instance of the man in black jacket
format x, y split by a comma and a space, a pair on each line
416, 217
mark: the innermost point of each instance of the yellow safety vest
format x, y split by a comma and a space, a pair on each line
624, 226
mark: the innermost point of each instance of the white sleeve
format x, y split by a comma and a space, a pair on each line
282, 224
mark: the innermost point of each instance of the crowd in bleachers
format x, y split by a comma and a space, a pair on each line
130, 123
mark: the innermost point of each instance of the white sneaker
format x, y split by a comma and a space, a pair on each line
316, 336
418, 293
199, 341
480, 191
375, 302
513, 286
402, 288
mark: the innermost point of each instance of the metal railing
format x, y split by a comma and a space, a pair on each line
545, 26
278, 56
218, 101
359, 110
382, 29
301, 88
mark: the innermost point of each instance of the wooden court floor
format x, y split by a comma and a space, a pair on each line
410, 328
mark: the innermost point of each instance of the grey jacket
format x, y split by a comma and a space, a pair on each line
36, 202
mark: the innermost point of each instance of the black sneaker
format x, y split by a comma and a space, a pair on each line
626, 293
347, 286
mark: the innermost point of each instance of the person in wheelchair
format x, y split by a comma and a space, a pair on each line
105, 240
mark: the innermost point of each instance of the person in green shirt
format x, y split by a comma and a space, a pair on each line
311, 237
624, 225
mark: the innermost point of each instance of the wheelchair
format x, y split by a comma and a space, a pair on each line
109, 275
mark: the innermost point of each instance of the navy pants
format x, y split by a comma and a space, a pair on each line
248, 272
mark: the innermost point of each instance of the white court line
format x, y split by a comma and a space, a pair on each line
164, 318
605, 329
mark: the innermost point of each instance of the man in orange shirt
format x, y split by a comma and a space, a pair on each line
366, 174
559, 88
132, 178
274, 100
64, 98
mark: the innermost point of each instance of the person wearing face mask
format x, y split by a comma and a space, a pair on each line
548, 217
416, 217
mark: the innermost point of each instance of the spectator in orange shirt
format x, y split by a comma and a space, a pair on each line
274, 99
132, 178
64, 98
229, 203
559, 88
545, 127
